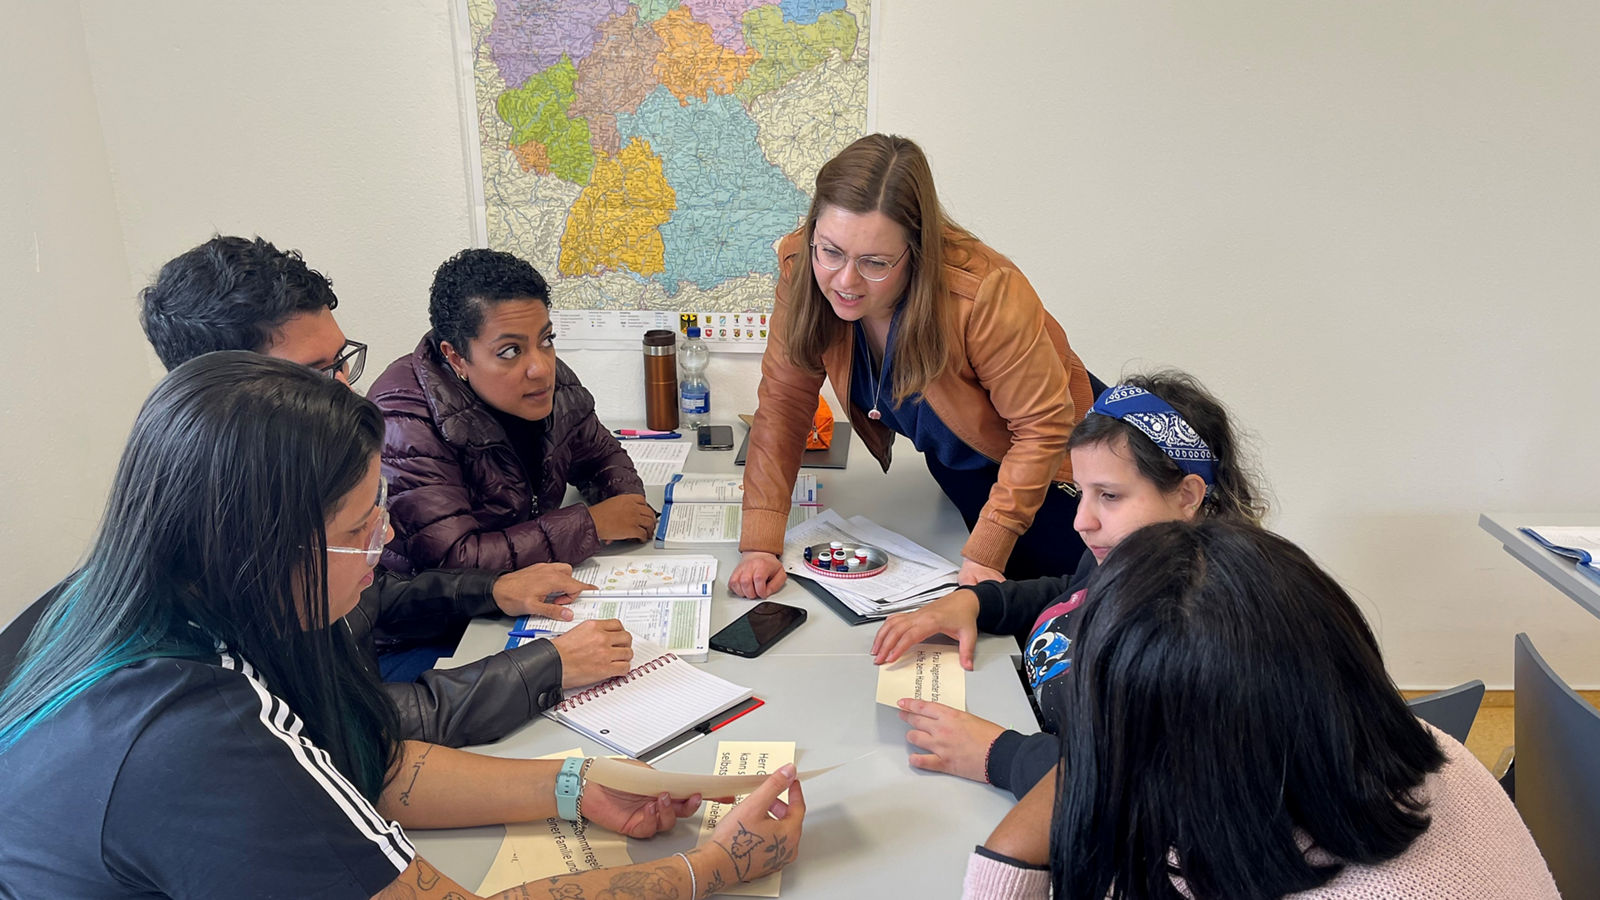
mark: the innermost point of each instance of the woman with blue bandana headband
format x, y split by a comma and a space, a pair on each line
1156, 448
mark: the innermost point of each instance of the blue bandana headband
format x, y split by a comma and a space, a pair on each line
1160, 423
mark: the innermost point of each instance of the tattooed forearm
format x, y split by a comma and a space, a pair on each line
416, 769
427, 876
560, 890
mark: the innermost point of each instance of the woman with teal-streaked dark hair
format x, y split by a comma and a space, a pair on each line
189, 717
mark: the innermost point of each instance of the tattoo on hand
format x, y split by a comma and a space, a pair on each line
744, 844
778, 854
716, 882
427, 876
416, 769
566, 892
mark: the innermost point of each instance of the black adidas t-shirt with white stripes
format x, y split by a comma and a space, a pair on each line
173, 778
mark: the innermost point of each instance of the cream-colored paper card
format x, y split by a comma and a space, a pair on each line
634, 779
535, 850
925, 672
759, 758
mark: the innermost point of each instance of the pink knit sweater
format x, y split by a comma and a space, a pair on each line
1475, 847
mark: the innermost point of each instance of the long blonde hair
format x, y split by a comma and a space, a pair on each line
888, 174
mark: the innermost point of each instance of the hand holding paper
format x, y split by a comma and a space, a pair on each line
762, 834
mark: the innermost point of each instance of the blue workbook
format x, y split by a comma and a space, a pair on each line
1579, 543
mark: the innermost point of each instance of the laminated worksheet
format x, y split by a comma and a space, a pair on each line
929, 672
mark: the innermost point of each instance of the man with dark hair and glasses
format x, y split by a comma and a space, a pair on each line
234, 293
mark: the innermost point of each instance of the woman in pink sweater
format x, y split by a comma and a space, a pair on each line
1238, 737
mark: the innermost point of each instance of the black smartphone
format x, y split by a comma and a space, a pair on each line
764, 625
715, 437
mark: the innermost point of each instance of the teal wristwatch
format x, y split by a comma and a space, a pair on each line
569, 786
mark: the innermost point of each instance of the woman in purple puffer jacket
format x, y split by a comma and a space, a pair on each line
485, 428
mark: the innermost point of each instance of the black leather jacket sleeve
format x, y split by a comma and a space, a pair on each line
476, 703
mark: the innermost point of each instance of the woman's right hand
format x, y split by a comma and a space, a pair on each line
759, 836
757, 576
955, 614
625, 517
593, 651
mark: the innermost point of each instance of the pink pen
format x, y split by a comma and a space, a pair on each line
638, 432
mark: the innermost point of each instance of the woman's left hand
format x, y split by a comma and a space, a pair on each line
634, 815
957, 742
972, 573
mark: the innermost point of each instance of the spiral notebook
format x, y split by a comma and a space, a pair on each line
660, 698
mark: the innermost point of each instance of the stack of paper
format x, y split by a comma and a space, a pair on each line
657, 461
664, 599
913, 577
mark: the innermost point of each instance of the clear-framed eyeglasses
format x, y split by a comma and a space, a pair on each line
352, 359
872, 268
380, 535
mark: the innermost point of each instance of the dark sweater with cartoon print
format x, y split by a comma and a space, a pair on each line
1040, 610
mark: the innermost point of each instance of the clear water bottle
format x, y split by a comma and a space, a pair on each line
694, 392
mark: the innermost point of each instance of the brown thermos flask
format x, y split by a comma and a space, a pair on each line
660, 380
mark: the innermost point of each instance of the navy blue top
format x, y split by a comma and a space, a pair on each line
870, 389
175, 778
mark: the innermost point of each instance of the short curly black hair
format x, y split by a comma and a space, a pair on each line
470, 282
230, 293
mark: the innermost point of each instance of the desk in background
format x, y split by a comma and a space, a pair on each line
875, 827
1552, 567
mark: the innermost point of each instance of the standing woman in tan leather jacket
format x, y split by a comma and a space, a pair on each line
924, 331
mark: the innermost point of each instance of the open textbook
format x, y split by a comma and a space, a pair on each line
690, 523
725, 489
913, 577
663, 599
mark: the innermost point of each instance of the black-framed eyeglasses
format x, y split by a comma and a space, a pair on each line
352, 359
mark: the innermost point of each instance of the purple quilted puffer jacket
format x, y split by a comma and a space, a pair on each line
458, 495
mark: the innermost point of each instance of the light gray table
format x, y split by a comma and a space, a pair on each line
875, 827
1552, 567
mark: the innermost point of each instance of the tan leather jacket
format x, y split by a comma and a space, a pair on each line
1013, 390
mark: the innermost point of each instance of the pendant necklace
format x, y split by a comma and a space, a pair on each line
877, 384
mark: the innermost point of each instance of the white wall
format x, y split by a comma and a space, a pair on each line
72, 378
1366, 226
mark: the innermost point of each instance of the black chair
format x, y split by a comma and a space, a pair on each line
1452, 711
1558, 777
16, 633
